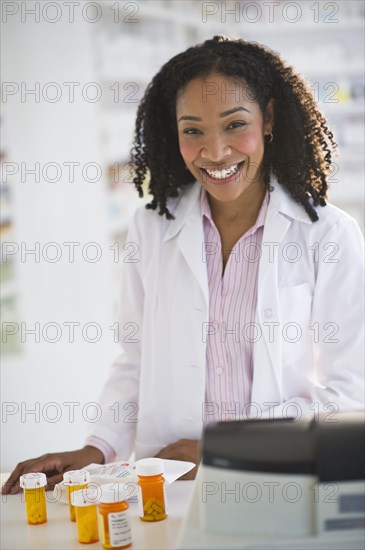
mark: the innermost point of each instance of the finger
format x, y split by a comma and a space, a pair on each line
13, 478
15, 488
6, 487
56, 476
52, 481
46, 464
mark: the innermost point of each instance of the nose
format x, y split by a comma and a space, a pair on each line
215, 148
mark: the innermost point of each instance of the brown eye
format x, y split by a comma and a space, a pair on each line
237, 124
191, 131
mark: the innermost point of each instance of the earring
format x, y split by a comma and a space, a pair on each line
270, 136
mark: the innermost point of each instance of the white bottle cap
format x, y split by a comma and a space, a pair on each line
149, 467
112, 493
33, 480
76, 477
84, 497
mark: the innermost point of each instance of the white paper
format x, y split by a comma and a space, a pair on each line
120, 471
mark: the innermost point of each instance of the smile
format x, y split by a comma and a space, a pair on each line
226, 175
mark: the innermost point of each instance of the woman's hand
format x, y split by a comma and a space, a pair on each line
184, 449
53, 465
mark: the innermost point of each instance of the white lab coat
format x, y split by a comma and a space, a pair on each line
310, 276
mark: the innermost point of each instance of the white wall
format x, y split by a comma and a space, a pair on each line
60, 212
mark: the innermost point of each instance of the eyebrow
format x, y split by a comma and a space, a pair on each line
222, 115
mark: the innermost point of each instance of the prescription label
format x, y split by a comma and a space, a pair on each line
119, 529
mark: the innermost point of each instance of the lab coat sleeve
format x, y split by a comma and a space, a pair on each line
336, 328
119, 397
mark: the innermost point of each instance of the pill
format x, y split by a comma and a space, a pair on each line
157, 508
147, 505
148, 518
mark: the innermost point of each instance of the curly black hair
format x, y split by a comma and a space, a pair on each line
300, 154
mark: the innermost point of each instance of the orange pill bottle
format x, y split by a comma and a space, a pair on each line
75, 480
35, 497
84, 504
113, 515
152, 503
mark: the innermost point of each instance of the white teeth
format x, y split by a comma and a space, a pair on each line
222, 174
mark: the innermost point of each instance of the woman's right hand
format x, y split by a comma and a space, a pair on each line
53, 465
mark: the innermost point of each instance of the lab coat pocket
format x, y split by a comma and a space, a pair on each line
295, 316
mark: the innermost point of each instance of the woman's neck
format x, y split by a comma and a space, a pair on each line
245, 208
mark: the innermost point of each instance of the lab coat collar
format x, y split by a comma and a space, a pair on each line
181, 209
188, 204
281, 201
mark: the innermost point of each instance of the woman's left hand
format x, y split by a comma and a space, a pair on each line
184, 449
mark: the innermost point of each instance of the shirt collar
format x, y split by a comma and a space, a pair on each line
204, 204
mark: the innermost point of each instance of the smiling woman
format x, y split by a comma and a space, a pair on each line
247, 292
268, 112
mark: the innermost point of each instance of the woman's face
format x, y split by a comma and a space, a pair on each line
221, 134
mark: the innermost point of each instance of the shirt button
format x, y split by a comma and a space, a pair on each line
268, 312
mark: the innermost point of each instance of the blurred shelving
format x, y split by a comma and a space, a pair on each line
9, 293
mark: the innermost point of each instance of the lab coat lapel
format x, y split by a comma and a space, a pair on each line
188, 228
191, 242
267, 378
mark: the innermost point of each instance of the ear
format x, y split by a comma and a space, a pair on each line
269, 117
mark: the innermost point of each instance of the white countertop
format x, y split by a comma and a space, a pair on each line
59, 532
182, 530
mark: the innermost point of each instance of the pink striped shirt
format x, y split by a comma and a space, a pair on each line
232, 308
